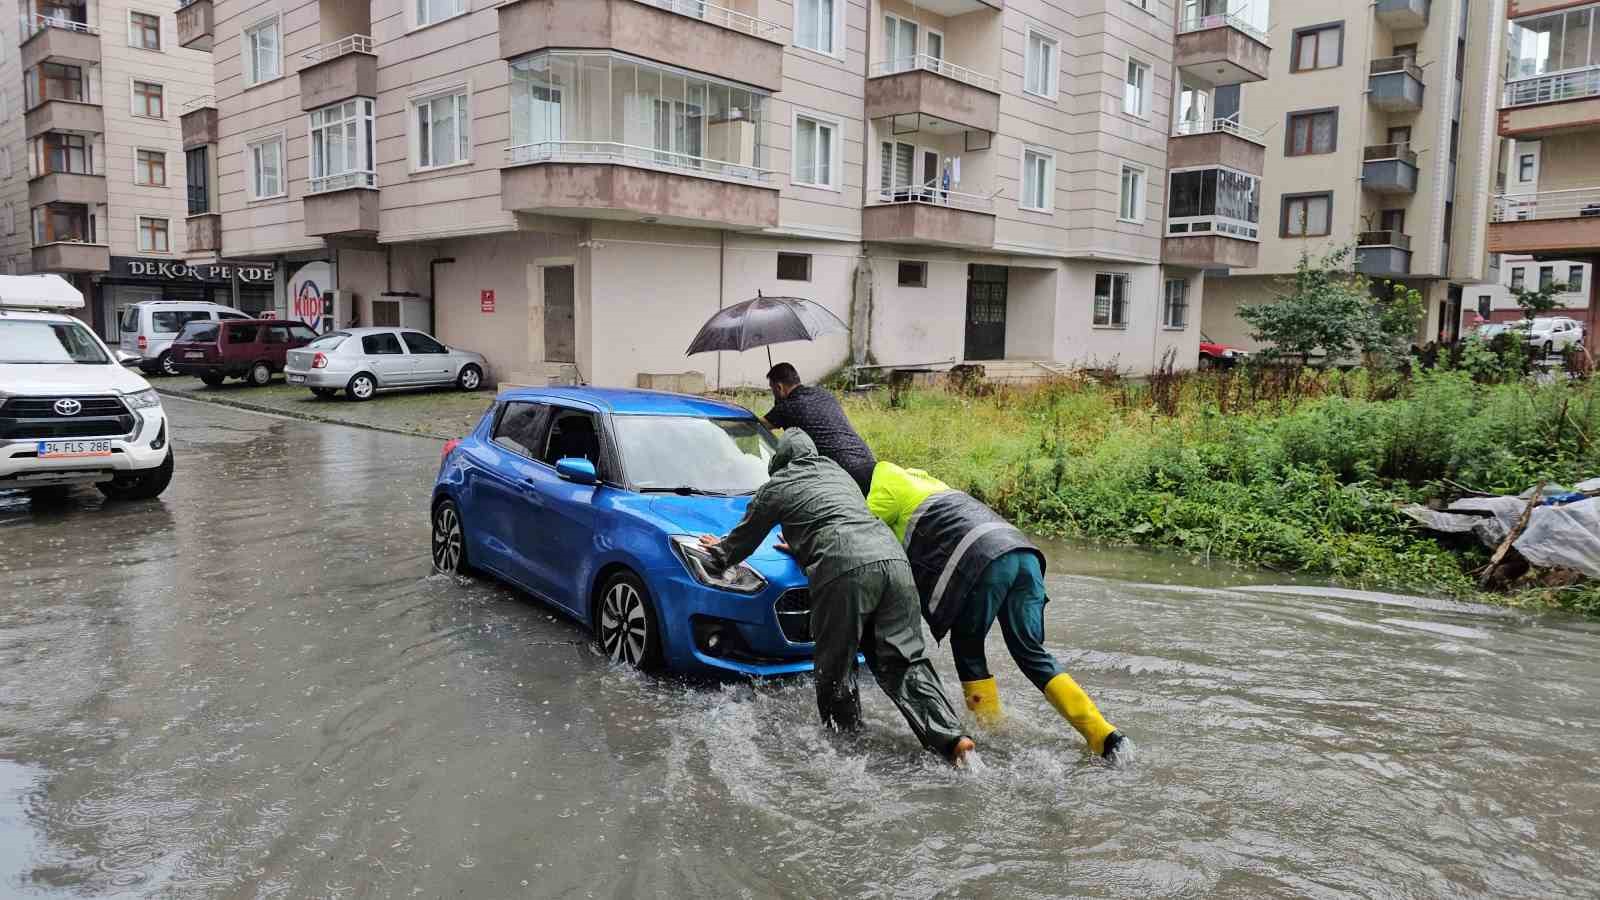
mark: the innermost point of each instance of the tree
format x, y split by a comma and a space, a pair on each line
1327, 308
1540, 301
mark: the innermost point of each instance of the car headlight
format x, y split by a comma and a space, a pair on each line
741, 579
146, 399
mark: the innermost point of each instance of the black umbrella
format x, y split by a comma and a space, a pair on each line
763, 322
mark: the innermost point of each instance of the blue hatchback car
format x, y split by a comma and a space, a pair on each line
593, 500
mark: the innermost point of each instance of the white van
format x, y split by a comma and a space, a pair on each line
149, 328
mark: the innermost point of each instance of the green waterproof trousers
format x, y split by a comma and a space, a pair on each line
875, 608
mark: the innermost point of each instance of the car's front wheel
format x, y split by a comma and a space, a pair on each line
449, 540
626, 624
260, 375
146, 485
470, 379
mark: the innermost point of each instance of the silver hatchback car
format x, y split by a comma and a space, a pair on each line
364, 361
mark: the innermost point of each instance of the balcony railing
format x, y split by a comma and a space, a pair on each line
322, 184
719, 15
198, 103
1384, 239
1550, 88
352, 43
1381, 152
1222, 126
32, 25
1221, 20
1391, 64
1578, 203
932, 196
610, 152
937, 66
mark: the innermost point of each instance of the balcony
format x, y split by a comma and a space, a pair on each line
71, 256
65, 115
1210, 251
934, 91
1551, 104
1383, 254
698, 37
199, 122
67, 187
1394, 84
197, 24
342, 206
1222, 49
922, 215
52, 39
610, 180
1217, 142
1403, 15
1547, 224
1389, 169
204, 232
338, 71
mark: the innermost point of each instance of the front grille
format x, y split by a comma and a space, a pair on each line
794, 615
27, 418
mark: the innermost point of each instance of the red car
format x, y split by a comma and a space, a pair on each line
251, 349
1215, 355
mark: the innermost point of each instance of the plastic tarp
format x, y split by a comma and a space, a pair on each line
38, 292
1489, 530
1564, 537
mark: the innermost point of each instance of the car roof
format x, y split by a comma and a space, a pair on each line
634, 402
192, 304
36, 315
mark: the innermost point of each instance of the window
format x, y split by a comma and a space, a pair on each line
153, 235
521, 428
1175, 304
1519, 278
1485, 305
266, 168
1319, 47
63, 222
794, 267
1111, 300
417, 342
61, 152
1312, 132
55, 81
263, 60
1132, 206
1307, 215
6, 170
900, 39
897, 164
815, 25
1042, 67
913, 274
242, 332
573, 435
384, 343
1527, 165
1202, 201
1575, 279
1392, 220
1136, 93
274, 334
443, 133
431, 11
148, 100
172, 322
150, 168
341, 146
197, 165
934, 45
144, 31
1547, 276
1558, 42
1038, 181
814, 151
11, 218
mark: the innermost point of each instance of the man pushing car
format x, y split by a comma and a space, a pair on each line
862, 593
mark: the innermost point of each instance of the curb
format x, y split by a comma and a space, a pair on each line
291, 414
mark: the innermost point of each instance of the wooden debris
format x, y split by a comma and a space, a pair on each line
1496, 562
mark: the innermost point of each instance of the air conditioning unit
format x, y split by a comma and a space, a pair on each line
334, 314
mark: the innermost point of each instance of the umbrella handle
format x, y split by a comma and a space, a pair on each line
769, 357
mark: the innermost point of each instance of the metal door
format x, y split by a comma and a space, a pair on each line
560, 315
986, 312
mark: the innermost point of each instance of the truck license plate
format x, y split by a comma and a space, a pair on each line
73, 449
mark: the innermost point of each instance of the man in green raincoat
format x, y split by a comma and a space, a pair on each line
972, 567
862, 593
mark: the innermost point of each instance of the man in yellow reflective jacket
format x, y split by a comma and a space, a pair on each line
973, 567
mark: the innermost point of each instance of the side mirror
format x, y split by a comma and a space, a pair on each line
124, 358
577, 470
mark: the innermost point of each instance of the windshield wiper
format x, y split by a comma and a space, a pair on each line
684, 491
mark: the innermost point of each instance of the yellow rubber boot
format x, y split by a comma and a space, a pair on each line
983, 698
1076, 707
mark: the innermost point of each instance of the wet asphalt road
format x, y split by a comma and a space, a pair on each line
254, 688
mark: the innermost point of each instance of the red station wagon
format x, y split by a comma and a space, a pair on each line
251, 349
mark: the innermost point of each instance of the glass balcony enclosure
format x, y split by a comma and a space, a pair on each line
1553, 57
605, 107
58, 81
57, 151
341, 147
63, 222
1214, 201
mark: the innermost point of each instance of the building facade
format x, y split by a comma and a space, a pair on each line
1497, 302
1547, 204
1382, 117
92, 167
572, 187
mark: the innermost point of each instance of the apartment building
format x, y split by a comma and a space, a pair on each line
92, 168
1382, 139
1497, 302
573, 186
1547, 204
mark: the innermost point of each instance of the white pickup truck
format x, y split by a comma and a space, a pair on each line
70, 412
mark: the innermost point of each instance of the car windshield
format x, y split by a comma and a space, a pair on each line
48, 343
328, 341
720, 456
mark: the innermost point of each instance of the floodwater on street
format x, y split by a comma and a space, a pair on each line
254, 688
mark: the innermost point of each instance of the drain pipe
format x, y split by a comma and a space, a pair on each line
433, 293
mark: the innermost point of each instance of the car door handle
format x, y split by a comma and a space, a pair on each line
531, 488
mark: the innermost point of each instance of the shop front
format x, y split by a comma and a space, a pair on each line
248, 287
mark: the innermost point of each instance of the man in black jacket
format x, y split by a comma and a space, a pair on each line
815, 411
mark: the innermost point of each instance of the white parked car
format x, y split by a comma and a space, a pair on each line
150, 326
1552, 334
70, 412
363, 361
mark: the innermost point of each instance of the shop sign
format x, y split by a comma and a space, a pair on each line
306, 287
486, 301
176, 270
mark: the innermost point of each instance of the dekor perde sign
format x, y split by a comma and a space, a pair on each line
169, 270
